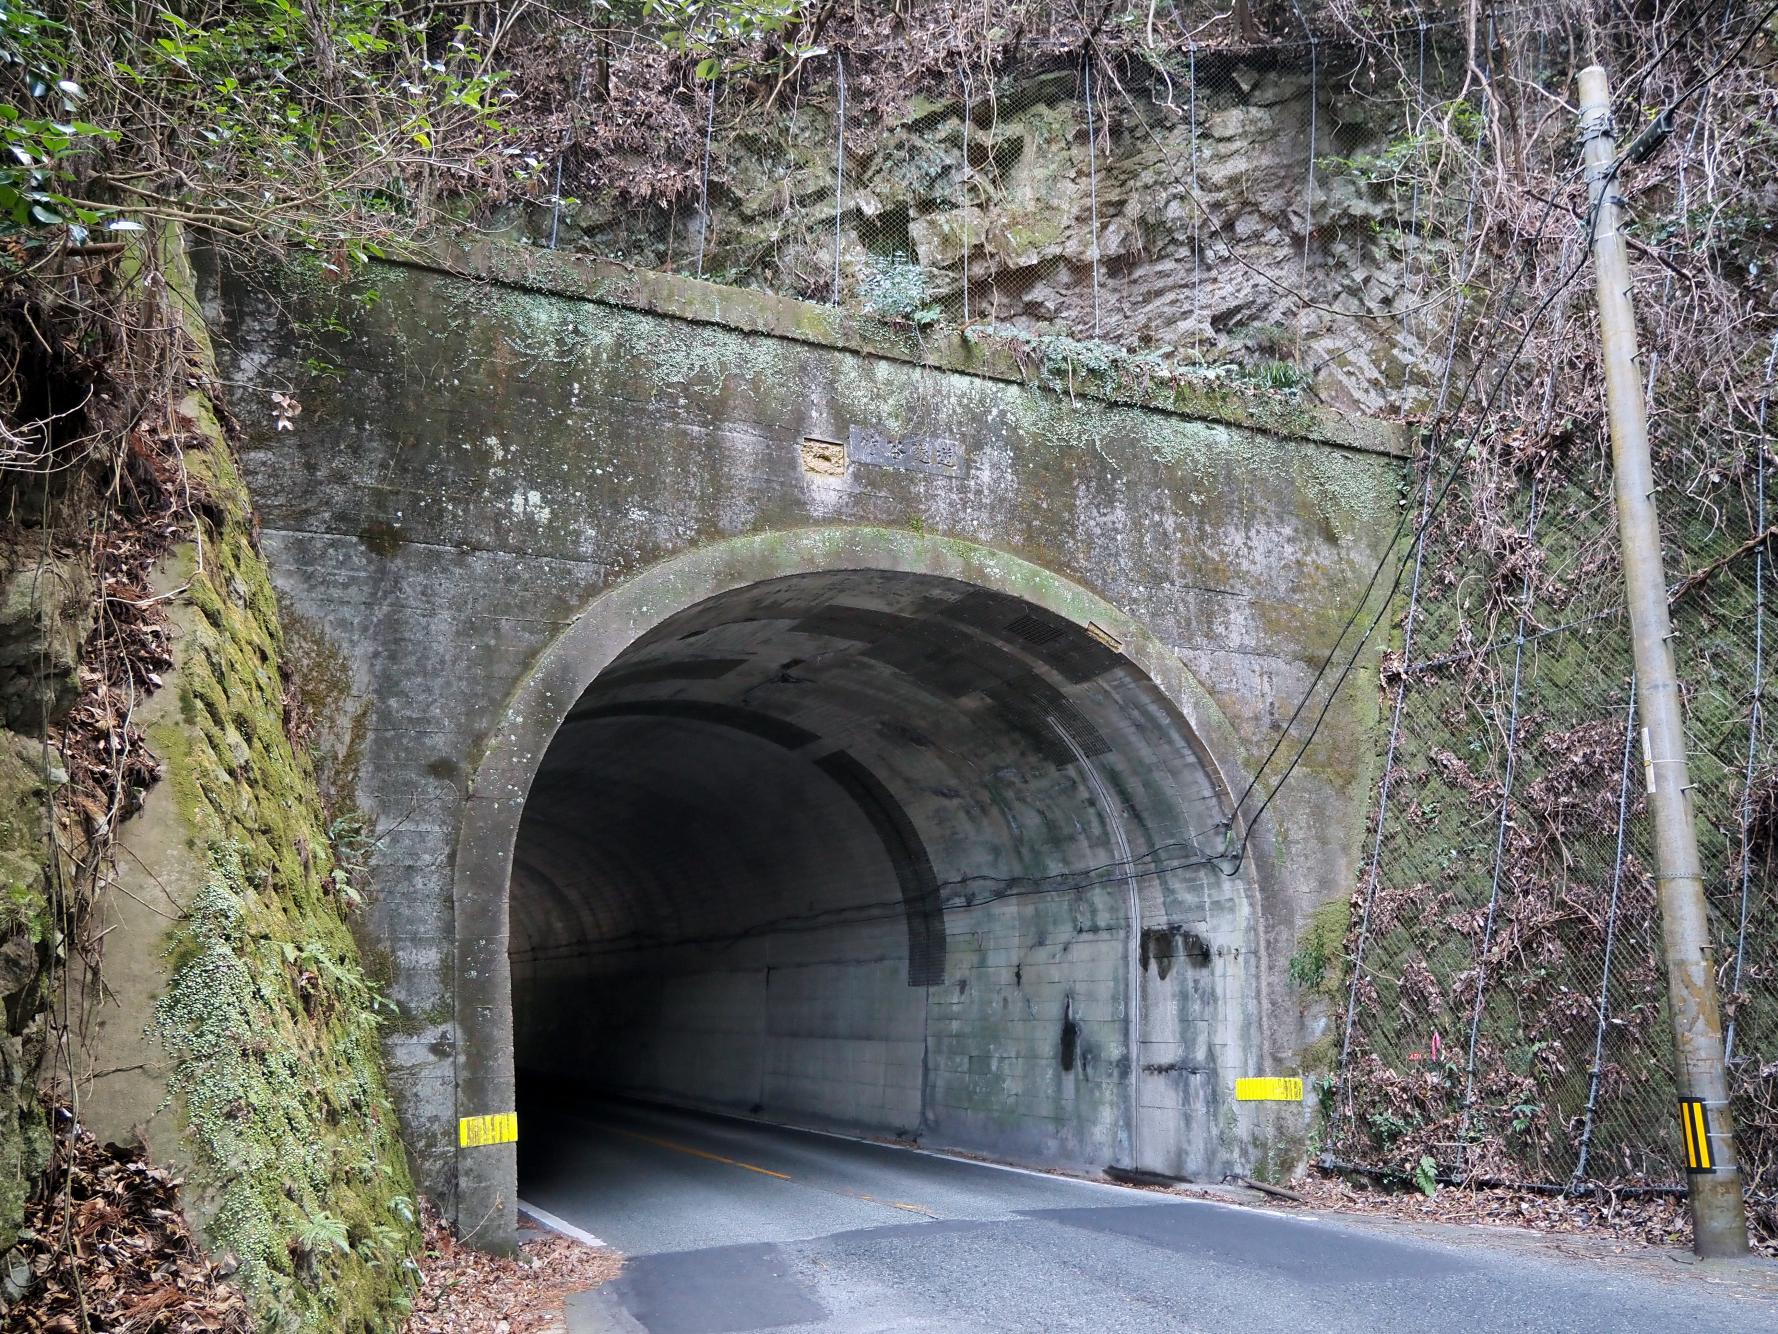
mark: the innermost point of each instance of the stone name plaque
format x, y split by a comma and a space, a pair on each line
921, 453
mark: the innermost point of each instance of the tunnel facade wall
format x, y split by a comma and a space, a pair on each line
474, 469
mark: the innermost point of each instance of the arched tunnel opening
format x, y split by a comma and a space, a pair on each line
889, 854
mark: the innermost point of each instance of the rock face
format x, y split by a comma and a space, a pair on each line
45, 616
46, 613
1213, 241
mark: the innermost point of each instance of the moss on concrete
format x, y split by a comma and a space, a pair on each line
268, 1019
273, 1031
24, 903
1064, 366
25, 929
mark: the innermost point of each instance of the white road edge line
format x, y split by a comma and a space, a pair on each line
1148, 1196
561, 1225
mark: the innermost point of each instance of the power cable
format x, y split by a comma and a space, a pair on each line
1221, 860
1649, 141
1443, 493
1147, 865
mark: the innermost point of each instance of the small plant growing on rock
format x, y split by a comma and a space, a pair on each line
896, 289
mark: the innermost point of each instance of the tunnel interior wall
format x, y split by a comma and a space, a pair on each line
710, 1005
889, 854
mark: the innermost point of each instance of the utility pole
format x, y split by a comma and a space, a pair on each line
1713, 1172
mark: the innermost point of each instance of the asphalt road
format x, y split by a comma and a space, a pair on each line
734, 1226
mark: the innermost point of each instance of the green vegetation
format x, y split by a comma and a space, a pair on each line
269, 1020
897, 289
340, 125
335, 124
274, 1042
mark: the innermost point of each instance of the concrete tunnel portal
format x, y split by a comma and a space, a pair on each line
893, 854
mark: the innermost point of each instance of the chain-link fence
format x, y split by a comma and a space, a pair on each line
1506, 1015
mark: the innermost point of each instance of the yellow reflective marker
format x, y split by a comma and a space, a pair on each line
473, 1132
1694, 1123
1269, 1088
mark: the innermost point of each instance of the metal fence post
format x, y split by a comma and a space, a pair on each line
839, 171
1383, 785
1093, 190
704, 179
1756, 718
963, 186
1191, 88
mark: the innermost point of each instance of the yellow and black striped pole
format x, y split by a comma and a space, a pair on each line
1694, 1129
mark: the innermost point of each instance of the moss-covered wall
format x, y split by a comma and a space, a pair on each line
25, 927
45, 617
483, 457
265, 1078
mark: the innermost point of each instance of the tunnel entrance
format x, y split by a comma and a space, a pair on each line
893, 854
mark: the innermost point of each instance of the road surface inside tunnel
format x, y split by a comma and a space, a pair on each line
733, 1225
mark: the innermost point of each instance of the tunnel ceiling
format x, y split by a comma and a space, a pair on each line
798, 708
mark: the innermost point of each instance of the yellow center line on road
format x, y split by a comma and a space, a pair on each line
676, 1147
920, 1209
700, 1153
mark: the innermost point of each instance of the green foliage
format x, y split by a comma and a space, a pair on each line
41, 134
1455, 126
719, 31
338, 125
335, 123
1387, 1127
1065, 364
897, 289
352, 846
1308, 966
275, 1063
1279, 375
321, 1233
1426, 1175
1317, 965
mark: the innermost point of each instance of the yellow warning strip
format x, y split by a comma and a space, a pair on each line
700, 1153
1703, 1135
1685, 1125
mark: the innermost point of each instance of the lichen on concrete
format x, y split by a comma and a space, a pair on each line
268, 1021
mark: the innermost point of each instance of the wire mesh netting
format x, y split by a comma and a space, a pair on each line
1237, 205
1507, 1011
